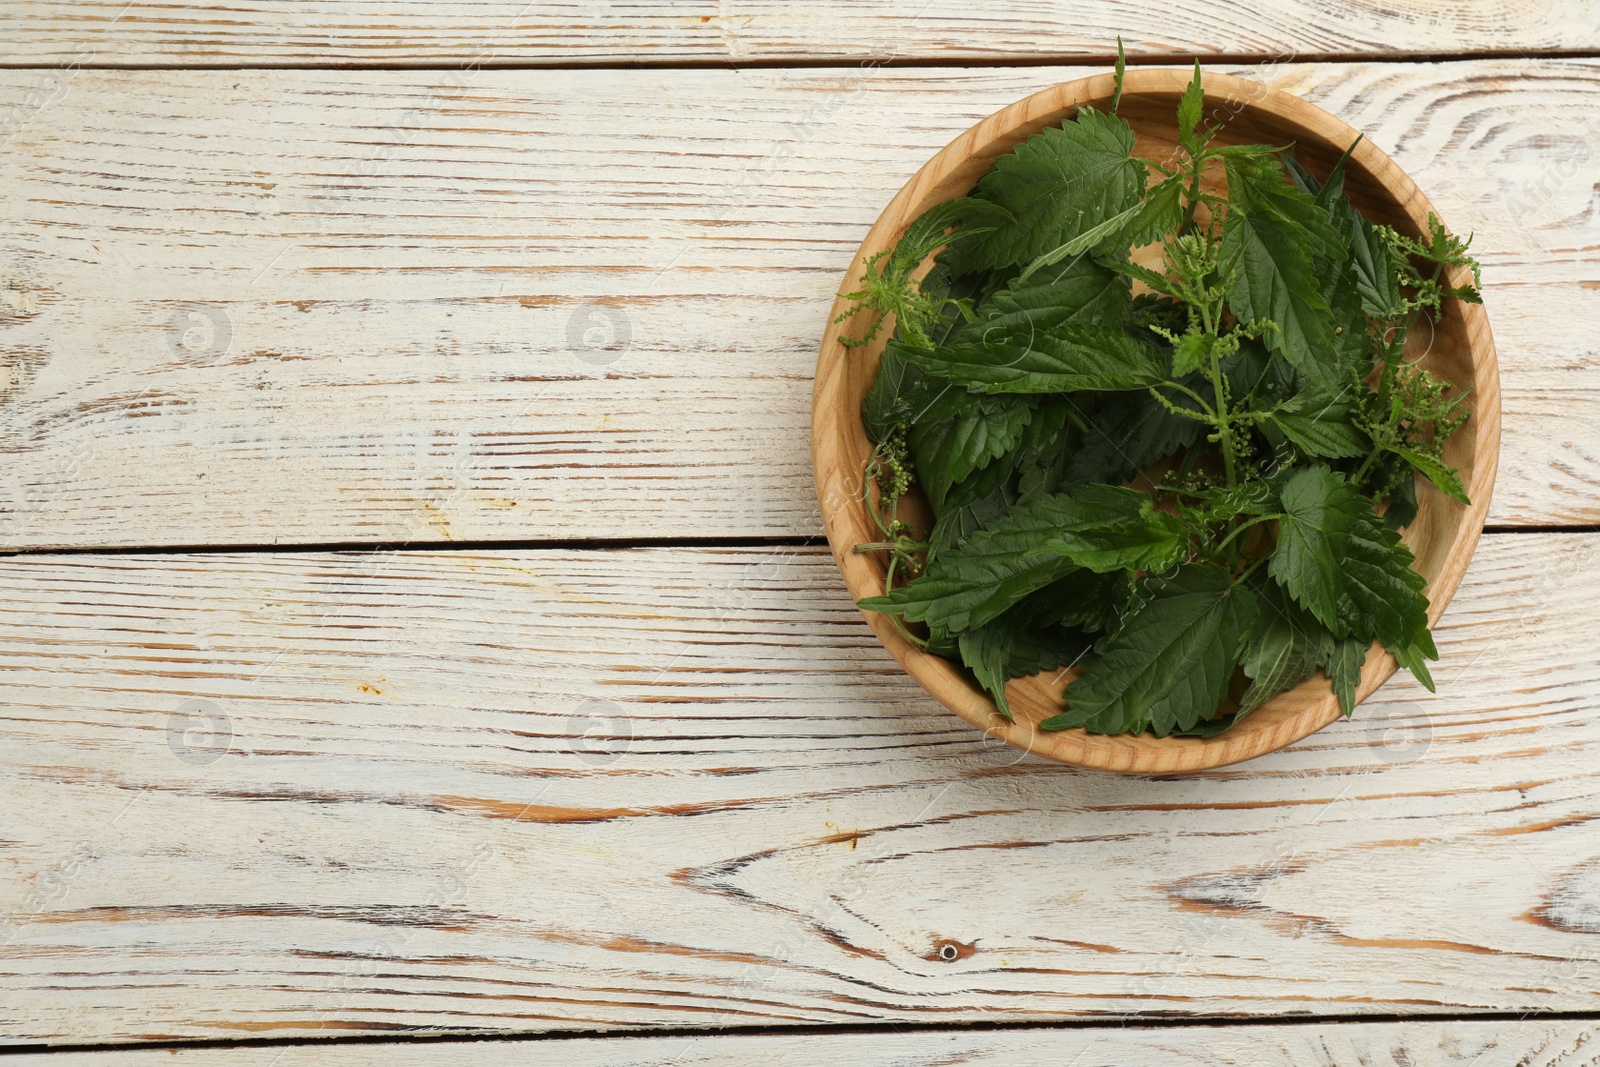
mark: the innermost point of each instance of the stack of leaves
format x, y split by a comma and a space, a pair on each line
1186, 477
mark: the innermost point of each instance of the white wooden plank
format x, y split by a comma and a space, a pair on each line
1531, 1042
545, 791
513, 31
291, 307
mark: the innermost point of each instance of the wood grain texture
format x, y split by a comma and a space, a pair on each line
291, 307
1531, 1042
1457, 348
517, 791
391, 32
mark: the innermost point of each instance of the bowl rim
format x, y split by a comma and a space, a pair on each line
1288, 717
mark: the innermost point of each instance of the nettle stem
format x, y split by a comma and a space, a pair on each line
1210, 319
891, 546
1193, 192
1224, 422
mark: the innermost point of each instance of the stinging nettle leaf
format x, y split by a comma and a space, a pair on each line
929, 231
960, 521
1287, 647
1377, 274
1129, 432
1192, 352
1402, 507
1414, 659
1099, 527
1110, 528
1016, 645
1338, 560
1320, 424
1014, 358
1120, 71
1159, 213
1081, 291
1190, 107
1053, 187
987, 653
1256, 186
948, 450
969, 584
1343, 665
1273, 281
884, 404
1436, 471
1168, 666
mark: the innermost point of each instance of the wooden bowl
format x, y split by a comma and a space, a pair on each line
1460, 349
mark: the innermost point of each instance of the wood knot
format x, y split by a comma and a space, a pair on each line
948, 951
19, 298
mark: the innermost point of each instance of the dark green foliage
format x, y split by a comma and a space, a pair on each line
1186, 480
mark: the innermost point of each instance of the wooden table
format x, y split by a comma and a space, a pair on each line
416, 624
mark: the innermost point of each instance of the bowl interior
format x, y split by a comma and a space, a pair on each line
1457, 347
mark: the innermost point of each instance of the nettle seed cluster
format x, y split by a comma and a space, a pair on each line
1186, 478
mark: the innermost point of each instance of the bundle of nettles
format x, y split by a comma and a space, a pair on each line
1184, 475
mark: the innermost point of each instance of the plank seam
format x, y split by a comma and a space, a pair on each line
573, 544
1131, 1022
579, 544
847, 62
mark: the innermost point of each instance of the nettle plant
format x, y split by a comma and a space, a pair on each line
1186, 478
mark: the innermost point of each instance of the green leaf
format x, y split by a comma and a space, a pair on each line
1256, 186
947, 450
1190, 108
1154, 279
987, 653
1160, 212
1274, 281
1255, 497
1413, 659
1435, 470
1105, 232
1052, 188
929, 231
1100, 527
1041, 455
1302, 178
1192, 352
1287, 647
1402, 507
1168, 667
960, 521
1121, 69
1081, 598
1129, 432
1343, 665
1080, 291
1320, 424
1331, 195
1072, 357
1016, 646
881, 407
1377, 273
1338, 560
969, 584
1352, 343
1036, 457
1109, 528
